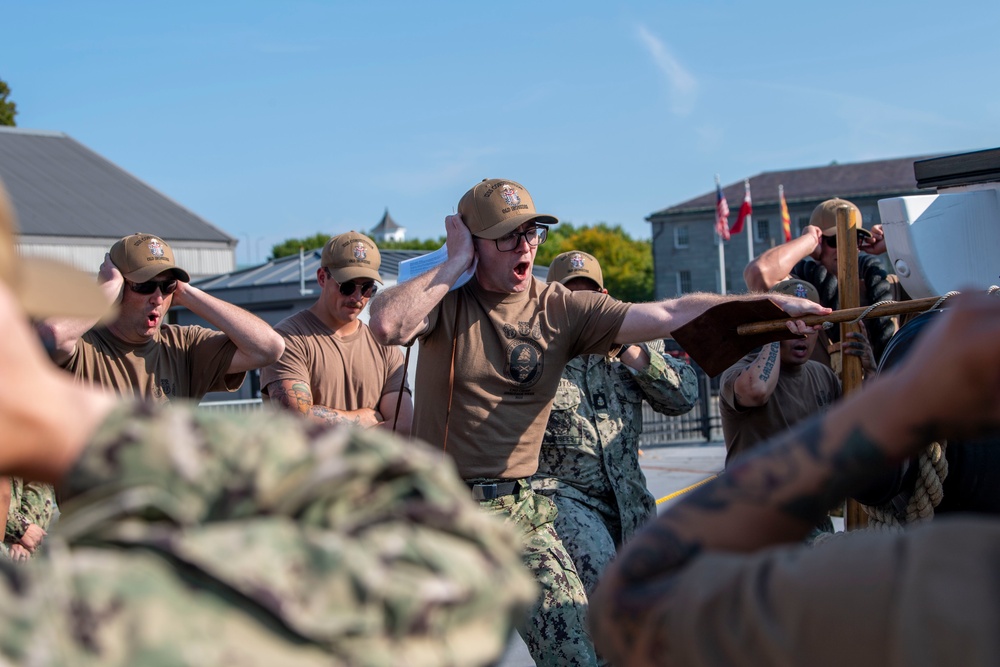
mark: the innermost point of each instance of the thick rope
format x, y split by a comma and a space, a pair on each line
928, 492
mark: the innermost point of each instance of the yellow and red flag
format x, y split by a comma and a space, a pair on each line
786, 220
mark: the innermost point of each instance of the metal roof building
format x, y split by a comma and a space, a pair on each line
73, 204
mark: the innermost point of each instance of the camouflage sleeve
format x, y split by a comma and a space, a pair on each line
30, 503
669, 384
355, 542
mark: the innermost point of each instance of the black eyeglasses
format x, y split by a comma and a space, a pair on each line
166, 287
533, 235
368, 289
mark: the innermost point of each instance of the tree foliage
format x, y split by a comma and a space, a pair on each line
627, 264
291, 246
319, 239
7, 108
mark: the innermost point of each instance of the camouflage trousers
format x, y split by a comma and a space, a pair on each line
585, 533
556, 628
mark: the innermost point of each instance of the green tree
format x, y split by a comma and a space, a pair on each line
291, 246
627, 264
7, 108
319, 239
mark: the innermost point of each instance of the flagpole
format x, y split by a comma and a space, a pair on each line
722, 245
749, 223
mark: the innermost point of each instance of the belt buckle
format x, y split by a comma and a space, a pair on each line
488, 491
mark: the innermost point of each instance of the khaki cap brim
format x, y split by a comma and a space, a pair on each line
150, 272
510, 224
354, 272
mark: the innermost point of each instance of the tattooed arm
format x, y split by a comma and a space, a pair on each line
773, 495
297, 396
754, 386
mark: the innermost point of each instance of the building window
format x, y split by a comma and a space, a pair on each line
681, 239
763, 231
803, 223
683, 282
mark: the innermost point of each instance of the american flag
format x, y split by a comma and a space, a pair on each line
786, 220
721, 212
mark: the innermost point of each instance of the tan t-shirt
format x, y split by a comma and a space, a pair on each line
801, 391
178, 362
343, 373
510, 354
923, 597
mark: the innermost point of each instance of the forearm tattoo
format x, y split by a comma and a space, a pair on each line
298, 398
772, 357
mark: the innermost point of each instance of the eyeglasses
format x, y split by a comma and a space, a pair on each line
368, 289
166, 287
534, 236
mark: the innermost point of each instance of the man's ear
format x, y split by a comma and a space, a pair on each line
321, 276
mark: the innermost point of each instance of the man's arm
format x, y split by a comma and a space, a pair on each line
387, 406
61, 334
754, 386
257, 344
776, 264
772, 495
296, 396
400, 314
668, 384
658, 319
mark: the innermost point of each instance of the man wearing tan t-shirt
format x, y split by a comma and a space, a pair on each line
491, 355
137, 354
333, 370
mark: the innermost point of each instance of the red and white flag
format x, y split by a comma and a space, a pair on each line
721, 212
786, 220
746, 208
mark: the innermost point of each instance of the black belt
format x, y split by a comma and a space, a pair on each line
491, 489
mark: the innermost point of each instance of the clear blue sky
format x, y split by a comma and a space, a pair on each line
279, 119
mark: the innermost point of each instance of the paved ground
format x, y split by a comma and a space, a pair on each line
668, 470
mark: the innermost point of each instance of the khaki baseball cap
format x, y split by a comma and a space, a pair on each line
142, 257
497, 207
799, 288
824, 216
351, 255
575, 264
43, 287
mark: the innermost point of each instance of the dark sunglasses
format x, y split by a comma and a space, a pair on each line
166, 287
368, 289
832, 240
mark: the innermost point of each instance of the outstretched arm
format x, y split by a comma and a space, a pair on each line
659, 319
773, 495
774, 265
400, 314
257, 344
296, 396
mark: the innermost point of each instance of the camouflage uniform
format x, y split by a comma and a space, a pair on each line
589, 463
188, 537
30, 503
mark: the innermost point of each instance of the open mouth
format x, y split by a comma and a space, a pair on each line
521, 270
152, 320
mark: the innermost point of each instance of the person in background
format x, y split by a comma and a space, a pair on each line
589, 463
31, 506
333, 371
137, 354
812, 257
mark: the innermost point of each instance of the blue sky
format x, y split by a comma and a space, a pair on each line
279, 119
